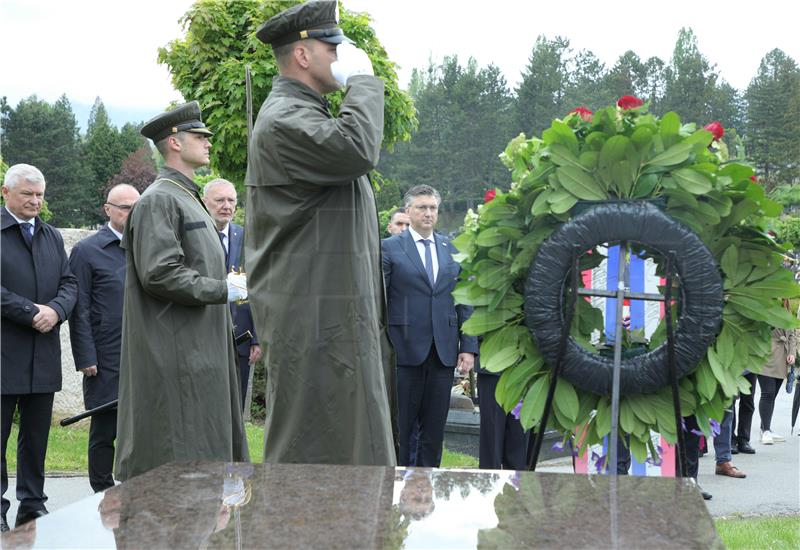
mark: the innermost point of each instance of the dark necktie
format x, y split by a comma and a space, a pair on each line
224, 249
27, 232
428, 260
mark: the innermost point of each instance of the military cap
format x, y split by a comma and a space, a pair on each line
318, 19
183, 118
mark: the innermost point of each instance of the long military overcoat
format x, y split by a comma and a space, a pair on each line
178, 385
314, 275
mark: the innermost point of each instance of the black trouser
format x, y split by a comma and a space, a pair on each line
244, 372
746, 408
423, 396
691, 440
503, 443
35, 413
102, 433
623, 454
766, 404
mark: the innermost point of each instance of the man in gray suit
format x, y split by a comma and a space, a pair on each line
424, 325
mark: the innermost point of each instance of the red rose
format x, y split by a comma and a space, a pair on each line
716, 129
583, 112
629, 102
489, 195
753, 178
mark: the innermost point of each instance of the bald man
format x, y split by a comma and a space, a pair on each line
95, 328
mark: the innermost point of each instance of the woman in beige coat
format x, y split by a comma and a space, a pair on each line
773, 374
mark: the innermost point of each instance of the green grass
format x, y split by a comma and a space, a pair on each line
452, 459
255, 441
67, 447
66, 450
763, 533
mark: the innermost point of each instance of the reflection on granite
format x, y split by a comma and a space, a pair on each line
216, 505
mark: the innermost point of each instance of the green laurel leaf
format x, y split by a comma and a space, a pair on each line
676, 154
566, 400
692, 181
579, 183
562, 156
533, 405
482, 321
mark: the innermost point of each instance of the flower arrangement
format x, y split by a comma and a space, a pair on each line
622, 152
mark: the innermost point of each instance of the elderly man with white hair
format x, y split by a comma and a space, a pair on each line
38, 293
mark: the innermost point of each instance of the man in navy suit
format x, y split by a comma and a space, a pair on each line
95, 327
38, 294
424, 325
220, 198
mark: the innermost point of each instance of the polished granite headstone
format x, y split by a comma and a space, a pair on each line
216, 505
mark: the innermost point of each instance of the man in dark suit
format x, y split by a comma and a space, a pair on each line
38, 294
503, 441
95, 327
220, 198
398, 223
424, 325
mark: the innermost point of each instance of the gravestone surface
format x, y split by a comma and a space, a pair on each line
224, 505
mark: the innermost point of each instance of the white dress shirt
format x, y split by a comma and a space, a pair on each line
31, 221
421, 249
116, 233
225, 237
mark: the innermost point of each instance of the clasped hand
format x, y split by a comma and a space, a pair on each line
45, 320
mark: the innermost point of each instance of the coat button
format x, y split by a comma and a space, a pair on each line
28, 308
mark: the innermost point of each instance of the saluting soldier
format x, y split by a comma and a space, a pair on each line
178, 387
313, 250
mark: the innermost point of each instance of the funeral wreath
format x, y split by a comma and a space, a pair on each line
623, 153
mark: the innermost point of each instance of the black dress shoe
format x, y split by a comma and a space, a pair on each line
706, 496
3, 524
734, 450
25, 517
744, 447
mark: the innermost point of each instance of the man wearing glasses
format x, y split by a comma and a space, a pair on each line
95, 327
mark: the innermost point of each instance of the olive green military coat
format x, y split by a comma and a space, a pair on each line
312, 254
178, 384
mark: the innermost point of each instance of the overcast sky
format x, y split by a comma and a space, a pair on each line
107, 48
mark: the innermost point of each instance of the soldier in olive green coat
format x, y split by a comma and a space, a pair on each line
312, 249
178, 385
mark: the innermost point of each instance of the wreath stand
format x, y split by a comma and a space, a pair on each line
622, 292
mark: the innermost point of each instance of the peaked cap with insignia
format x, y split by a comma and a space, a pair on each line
318, 19
183, 118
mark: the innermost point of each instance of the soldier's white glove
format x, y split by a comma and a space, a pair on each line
237, 287
350, 61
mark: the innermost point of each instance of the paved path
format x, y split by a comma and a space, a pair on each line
772, 486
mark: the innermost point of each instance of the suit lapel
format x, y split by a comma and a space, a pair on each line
410, 248
443, 256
